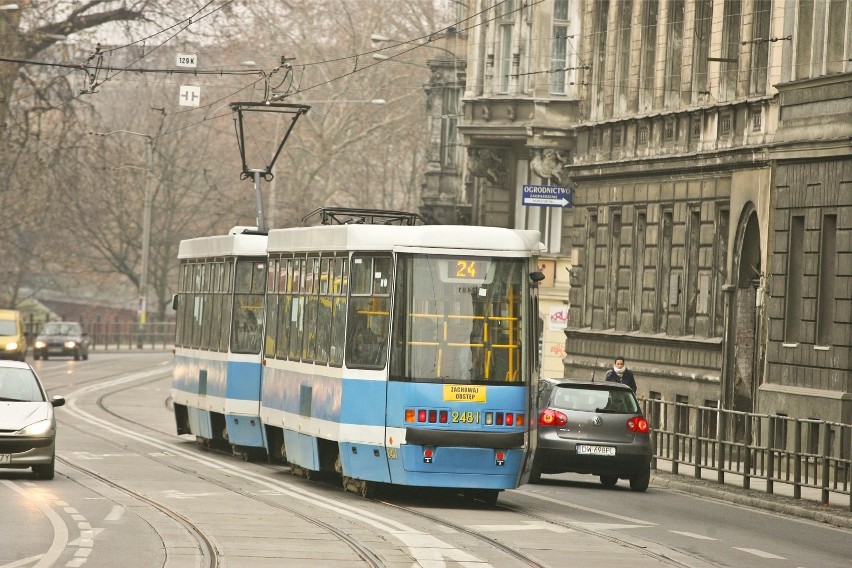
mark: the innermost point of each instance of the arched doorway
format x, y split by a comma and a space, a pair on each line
746, 324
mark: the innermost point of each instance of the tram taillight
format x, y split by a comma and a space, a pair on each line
443, 416
421, 415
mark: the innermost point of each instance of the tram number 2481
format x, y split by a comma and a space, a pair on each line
466, 417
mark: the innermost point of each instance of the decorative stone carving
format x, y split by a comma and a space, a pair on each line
488, 164
548, 163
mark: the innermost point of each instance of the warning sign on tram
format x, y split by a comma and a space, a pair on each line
548, 196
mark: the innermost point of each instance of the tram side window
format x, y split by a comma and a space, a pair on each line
180, 328
340, 290
247, 329
225, 304
368, 322
216, 307
297, 309
285, 300
309, 337
271, 327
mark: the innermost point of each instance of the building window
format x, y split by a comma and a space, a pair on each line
650, 9
720, 269
756, 119
638, 275
838, 32
681, 414
709, 419
614, 267
696, 128
827, 281
590, 263
559, 50
506, 29
730, 49
693, 248
701, 48
622, 62
674, 53
664, 267
616, 136
795, 280
449, 127
599, 39
760, 46
643, 135
725, 126
668, 131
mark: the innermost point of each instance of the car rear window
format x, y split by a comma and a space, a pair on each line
595, 400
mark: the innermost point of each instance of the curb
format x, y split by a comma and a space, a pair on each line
750, 498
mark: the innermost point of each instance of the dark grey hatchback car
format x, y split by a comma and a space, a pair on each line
592, 427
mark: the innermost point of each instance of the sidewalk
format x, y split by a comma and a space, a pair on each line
781, 501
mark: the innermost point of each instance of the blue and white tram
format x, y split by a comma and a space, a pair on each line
402, 355
217, 364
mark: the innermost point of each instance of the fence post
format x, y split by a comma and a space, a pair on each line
747, 457
826, 452
770, 455
675, 439
797, 455
699, 424
721, 432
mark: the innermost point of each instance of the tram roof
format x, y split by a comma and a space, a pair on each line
394, 237
235, 243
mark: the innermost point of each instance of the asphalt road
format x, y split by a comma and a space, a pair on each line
129, 492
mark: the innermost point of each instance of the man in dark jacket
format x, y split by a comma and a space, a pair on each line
621, 374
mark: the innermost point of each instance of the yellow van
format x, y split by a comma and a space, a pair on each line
13, 342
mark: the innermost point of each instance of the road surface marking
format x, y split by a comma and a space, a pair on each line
60, 531
526, 526
760, 553
693, 535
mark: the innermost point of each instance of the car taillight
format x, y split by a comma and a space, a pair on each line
550, 417
637, 424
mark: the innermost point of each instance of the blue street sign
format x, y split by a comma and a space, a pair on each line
548, 196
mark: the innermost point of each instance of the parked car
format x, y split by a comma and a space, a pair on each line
61, 338
13, 340
27, 422
592, 427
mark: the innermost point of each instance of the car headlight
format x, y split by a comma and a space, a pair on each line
11, 346
39, 344
36, 428
70, 344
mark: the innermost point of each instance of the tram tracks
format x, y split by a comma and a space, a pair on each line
209, 551
369, 557
211, 554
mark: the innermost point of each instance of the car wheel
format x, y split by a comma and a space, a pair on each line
44, 356
77, 355
535, 475
609, 480
35, 356
45, 471
86, 356
640, 482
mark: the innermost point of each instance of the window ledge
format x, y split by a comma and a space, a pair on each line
789, 345
822, 348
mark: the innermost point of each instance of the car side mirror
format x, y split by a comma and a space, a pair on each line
57, 401
174, 301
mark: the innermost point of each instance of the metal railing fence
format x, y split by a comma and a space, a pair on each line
774, 448
117, 334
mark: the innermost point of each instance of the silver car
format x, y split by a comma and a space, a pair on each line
592, 427
27, 423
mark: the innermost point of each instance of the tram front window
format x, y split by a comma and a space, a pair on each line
458, 319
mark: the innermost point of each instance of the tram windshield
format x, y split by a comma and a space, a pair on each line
457, 319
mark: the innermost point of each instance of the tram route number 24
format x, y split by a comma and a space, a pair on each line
468, 417
471, 268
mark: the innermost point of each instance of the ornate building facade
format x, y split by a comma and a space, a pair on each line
709, 143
